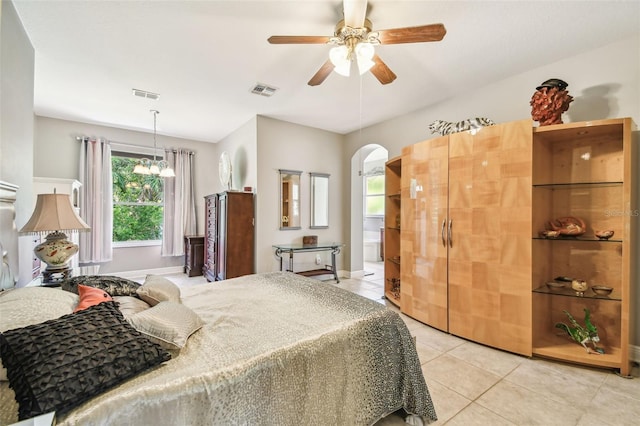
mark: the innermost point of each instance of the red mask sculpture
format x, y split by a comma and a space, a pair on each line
549, 101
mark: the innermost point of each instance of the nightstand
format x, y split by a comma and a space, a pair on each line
193, 255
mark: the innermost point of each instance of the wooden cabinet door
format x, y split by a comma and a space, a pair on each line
423, 255
490, 240
236, 238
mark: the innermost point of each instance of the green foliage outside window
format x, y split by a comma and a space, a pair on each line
374, 195
375, 185
138, 204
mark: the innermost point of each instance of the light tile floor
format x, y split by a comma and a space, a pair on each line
472, 384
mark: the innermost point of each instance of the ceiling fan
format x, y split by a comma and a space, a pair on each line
354, 40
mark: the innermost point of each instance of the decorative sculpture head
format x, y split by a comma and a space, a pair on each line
549, 101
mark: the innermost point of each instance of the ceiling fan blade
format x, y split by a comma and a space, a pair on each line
381, 71
322, 73
423, 33
354, 13
298, 39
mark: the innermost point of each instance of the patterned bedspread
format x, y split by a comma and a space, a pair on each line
277, 348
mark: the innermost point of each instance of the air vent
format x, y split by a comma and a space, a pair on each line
144, 94
263, 90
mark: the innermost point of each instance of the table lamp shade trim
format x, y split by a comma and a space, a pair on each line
53, 212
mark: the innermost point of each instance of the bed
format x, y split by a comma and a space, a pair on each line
264, 349
273, 348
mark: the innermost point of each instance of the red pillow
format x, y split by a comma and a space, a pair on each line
90, 296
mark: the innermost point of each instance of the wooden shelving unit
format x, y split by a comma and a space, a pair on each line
392, 211
586, 170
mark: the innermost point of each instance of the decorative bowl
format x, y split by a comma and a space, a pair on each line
604, 234
554, 285
601, 290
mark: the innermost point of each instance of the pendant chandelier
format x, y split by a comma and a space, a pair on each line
146, 166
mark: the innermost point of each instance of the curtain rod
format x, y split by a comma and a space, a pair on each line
81, 138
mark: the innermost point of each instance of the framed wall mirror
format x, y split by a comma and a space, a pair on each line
319, 200
289, 199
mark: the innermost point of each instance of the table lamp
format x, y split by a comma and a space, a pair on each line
54, 215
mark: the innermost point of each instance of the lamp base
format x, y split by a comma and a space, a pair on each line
53, 277
55, 252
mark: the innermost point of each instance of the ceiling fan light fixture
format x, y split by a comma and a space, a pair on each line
364, 65
339, 57
364, 54
365, 49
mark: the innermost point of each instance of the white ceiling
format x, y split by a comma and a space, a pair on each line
203, 57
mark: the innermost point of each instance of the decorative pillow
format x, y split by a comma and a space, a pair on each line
24, 306
168, 323
115, 286
59, 364
158, 289
91, 296
130, 305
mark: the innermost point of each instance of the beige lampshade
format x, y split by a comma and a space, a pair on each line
54, 212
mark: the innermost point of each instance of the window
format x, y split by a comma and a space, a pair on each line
138, 204
374, 195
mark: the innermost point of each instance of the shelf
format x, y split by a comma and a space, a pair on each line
587, 239
576, 130
562, 348
569, 292
392, 298
395, 164
315, 272
393, 209
577, 185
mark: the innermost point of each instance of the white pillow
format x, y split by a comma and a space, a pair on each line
158, 289
130, 305
168, 324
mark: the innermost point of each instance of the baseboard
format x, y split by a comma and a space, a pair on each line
141, 274
353, 274
634, 353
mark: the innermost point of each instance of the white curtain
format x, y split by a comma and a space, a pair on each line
96, 201
179, 202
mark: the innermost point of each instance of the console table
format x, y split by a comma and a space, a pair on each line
334, 248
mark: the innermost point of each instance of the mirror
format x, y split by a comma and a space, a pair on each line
319, 200
289, 199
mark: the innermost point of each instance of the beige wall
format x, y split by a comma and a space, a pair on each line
283, 145
17, 60
604, 82
56, 154
241, 147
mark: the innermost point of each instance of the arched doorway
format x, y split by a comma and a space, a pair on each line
367, 206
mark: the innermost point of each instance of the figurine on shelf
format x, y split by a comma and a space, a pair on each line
549, 101
568, 226
583, 335
395, 287
580, 286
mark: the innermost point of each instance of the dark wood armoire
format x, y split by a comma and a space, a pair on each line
229, 235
